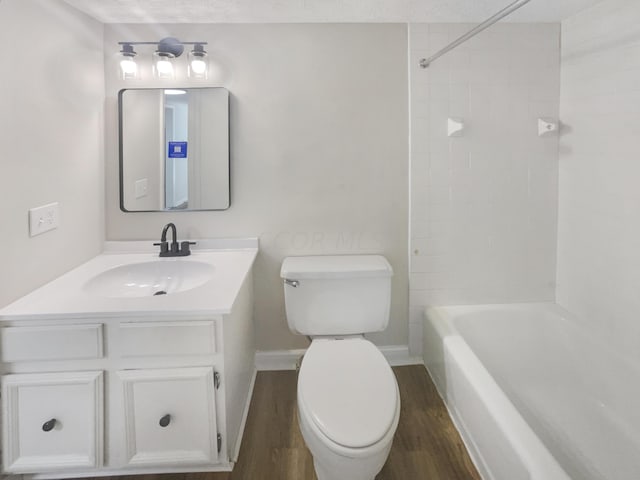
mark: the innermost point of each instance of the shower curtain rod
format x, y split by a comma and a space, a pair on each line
425, 62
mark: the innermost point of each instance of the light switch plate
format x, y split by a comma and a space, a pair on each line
44, 218
141, 187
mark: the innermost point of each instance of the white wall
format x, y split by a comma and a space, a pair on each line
144, 142
483, 206
319, 148
208, 168
51, 130
599, 215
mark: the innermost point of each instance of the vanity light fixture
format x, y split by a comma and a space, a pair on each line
128, 65
164, 64
167, 50
198, 62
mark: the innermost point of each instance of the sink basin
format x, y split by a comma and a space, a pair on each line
159, 277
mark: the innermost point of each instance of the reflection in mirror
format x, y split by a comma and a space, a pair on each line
174, 149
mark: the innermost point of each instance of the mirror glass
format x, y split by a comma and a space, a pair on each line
174, 149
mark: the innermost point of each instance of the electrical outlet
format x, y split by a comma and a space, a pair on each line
44, 218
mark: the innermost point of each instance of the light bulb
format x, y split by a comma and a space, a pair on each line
198, 62
198, 66
163, 65
128, 67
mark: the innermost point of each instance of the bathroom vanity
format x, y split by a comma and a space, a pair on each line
102, 375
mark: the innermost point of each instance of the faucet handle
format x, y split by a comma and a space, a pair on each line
184, 247
164, 246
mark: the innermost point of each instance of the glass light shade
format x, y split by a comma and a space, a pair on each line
198, 65
163, 65
128, 67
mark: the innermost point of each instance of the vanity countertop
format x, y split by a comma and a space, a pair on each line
67, 297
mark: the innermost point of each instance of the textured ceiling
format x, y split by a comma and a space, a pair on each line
276, 11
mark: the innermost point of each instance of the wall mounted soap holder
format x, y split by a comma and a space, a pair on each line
547, 126
455, 127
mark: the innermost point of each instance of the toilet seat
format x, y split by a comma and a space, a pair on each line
348, 391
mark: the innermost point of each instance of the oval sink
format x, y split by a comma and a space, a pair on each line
159, 277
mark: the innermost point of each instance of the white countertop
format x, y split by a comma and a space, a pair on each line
65, 297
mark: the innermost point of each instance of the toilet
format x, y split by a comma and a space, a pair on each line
348, 398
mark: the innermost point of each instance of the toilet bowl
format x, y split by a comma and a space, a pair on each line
348, 399
348, 408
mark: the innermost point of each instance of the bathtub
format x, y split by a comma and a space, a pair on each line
534, 394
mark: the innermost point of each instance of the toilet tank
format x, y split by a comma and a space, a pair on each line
338, 294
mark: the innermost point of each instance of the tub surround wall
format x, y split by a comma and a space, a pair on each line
319, 148
484, 205
599, 204
51, 124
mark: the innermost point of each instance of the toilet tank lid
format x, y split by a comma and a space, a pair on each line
335, 266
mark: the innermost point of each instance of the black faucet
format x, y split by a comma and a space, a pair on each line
175, 249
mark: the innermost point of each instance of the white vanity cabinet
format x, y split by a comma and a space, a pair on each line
52, 421
170, 416
117, 393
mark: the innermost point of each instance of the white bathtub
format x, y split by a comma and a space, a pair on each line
534, 394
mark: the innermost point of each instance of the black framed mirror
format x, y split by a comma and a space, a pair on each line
174, 149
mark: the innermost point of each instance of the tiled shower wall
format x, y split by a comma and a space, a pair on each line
599, 221
483, 205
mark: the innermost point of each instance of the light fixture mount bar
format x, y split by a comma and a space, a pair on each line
158, 43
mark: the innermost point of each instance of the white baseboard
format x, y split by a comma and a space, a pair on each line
396, 355
278, 359
111, 472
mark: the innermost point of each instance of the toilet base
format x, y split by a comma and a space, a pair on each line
348, 470
330, 465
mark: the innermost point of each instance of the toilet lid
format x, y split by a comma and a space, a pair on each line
348, 390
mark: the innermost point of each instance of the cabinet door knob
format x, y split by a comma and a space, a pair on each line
48, 426
164, 421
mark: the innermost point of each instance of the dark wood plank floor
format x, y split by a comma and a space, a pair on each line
426, 445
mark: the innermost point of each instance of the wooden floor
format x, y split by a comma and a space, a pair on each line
426, 444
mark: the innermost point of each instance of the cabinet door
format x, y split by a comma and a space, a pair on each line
170, 416
52, 421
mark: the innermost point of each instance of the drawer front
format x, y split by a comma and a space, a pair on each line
138, 339
52, 421
51, 342
170, 416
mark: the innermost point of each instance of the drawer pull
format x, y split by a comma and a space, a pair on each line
48, 426
166, 420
